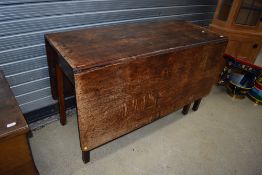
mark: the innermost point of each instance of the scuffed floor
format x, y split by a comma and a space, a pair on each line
224, 137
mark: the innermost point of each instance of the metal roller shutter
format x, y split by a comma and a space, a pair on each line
23, 24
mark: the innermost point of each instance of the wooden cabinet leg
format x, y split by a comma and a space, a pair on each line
60, 92
186, 109
196, 104
86, 156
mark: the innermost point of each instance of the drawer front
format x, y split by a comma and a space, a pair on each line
243, 49
116, 99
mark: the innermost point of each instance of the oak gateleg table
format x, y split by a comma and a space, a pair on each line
128, 75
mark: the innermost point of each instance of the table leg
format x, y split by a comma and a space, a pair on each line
60, 92
186, 109
86, 156
30, 134
196, 104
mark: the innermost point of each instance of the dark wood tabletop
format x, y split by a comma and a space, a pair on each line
10, 112
95, 47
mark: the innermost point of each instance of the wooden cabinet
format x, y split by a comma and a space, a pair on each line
15, 153
240, 21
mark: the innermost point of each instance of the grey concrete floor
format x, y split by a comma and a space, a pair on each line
259, 59
224, 137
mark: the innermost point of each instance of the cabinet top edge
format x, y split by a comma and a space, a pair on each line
12, 121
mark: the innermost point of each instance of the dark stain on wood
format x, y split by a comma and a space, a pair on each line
129, 75
96, 47
116, 99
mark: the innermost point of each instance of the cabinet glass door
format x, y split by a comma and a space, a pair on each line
224, 9
249, 12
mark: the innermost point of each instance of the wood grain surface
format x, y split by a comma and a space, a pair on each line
96, 47
119, 98
10, 112
15, 153
16, 157
128, 75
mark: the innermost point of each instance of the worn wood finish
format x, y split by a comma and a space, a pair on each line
129, 75
97, 47
116, 99
16, 157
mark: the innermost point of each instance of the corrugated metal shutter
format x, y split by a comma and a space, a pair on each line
23, 24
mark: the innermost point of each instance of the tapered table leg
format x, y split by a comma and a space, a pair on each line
60, 92
196, 104
30, 134
86, 156
186, 109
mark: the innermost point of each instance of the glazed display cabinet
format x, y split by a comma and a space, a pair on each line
240, 21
